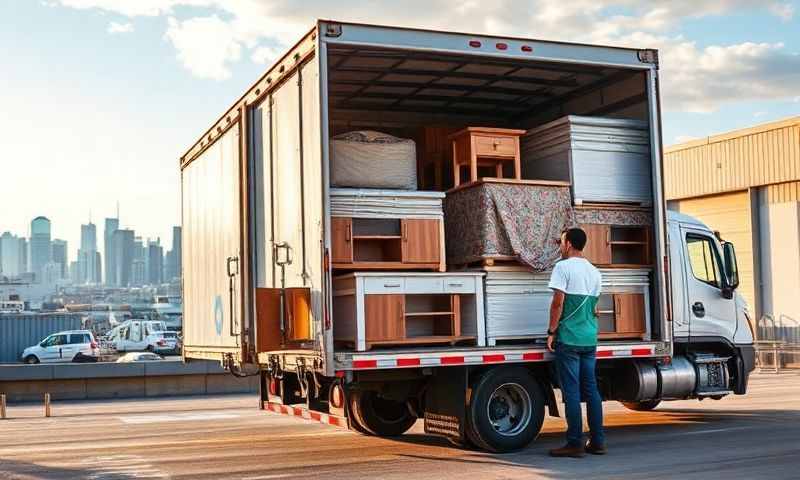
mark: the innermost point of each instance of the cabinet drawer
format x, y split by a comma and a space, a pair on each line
384, 285
490, 146
459, 285
424, 285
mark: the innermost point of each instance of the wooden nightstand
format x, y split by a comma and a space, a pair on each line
485, 147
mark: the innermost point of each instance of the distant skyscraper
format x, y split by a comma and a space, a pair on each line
88, 259
173, 261
155, 262
10, 255
40, 245
123, 251
112, 225
23, 255
60, 256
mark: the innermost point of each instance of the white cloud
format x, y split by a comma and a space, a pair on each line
115, 27
695, 78
206, 45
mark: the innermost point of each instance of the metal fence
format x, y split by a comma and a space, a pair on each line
21, 330
778, 343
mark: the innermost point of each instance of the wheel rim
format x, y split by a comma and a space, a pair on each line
509, 409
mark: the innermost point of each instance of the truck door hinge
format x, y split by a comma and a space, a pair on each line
648, 55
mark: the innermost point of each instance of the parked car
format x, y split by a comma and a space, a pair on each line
143, 335
139, 357
62, 347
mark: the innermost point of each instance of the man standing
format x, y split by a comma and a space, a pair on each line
572, 335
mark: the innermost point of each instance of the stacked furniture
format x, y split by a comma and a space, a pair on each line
386, 230
518, 304
607, 160
387, 249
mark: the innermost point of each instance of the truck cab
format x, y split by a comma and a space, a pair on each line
707, 311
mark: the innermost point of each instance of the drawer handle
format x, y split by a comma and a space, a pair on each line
456, 284
391, 285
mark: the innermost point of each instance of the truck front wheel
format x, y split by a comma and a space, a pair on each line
506, 411
379, 416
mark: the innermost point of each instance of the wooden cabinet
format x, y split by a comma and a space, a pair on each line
274, 332
373, 309
622, 315
421, 241
491, 149
598, 248
384, 315
617, 246
386, 243
342, 239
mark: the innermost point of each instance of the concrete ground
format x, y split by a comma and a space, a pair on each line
226, 437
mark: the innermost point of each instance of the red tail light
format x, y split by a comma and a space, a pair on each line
93, 345
162, 342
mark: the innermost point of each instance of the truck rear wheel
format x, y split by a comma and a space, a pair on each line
644, 406
379, 416
506, 412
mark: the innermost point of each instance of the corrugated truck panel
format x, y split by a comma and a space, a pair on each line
211, 214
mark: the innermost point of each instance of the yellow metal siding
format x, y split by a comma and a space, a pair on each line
738, 160
782, 192
730, 215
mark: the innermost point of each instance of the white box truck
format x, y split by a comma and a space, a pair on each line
257, 274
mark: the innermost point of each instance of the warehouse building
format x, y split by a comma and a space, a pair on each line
746, 185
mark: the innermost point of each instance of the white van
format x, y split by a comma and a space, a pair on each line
143, 335
61, 347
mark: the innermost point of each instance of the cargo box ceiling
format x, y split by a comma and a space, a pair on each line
483, 89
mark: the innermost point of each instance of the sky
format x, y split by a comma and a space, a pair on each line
99, 98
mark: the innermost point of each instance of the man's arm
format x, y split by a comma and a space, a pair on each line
556, 307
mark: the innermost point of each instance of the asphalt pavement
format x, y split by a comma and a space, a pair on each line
227, 437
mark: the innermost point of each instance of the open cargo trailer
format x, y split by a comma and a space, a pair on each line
258, 278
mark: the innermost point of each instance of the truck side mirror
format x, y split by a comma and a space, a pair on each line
731, 267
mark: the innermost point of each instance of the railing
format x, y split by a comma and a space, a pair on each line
778, 344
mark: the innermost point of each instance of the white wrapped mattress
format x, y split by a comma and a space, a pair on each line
369, 159
368, 203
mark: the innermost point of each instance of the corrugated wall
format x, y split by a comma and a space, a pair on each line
762, 155
781, 193
20, 331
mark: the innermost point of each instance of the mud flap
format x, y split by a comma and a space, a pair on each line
445, 403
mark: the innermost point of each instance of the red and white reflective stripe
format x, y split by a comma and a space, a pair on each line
482, 358
306, 414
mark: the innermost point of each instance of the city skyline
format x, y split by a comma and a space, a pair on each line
74, 242
88, 264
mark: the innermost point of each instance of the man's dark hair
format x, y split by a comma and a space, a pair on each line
576, 237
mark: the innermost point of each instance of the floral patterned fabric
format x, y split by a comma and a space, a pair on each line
491, 219
605, 216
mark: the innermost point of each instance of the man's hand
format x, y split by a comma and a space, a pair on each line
550, 341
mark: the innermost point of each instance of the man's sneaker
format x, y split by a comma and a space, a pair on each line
596, 449
568, 451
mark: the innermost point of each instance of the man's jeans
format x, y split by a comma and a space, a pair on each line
577, 377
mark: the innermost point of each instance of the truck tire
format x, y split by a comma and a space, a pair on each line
379, 416
506, 411
644, 406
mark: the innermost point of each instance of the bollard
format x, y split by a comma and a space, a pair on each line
3, 406
46, 404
